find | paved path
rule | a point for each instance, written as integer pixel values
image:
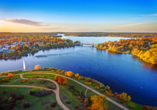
(56, 91)
(107, 98)
(86, 93)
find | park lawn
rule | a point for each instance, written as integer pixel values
(32, 82)
(66, 95)
(37, 103)
(110, 105)
(130, 105)
(77, 86)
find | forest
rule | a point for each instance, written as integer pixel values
(144, 48)
(112, 34)
(17, 45)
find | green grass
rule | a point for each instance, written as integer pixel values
(129, 105)
(36, 102)
(110, 105)
(66, 95)
(17, 80)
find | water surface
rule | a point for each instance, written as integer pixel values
(122, 72)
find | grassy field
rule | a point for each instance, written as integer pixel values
(37, 103)
(69, 95)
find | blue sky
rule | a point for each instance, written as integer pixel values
(78, 15)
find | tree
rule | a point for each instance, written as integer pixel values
(107, 87)
(97, 45)
(56, 77)
(60, 80)
(76, 75)
(37, 67)
(98, 103)
(69, 73)
(124, 97)
(10, 75)
(129, 98)
(4, 55)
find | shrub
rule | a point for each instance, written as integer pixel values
(80, 77)
(72, 87)
(107, 88)
(69, 73)
(88, 83)
(53, 104)
(13, 95)
(124, 97)
(11, 106)
(20, 97)
(42, 81)
(41, 93)
(58, 71)
(118, 96)
(37, 67)
(31, 92)
(26, 105)
(4, 92)
(102, 90)
(34, 89)
(56, 77)
(62, 71)
(88, 79)
(10, 75)
(67, 102)
(76, 75)
(51, 86)
(109, 93)
(24, 80)
(96, 87)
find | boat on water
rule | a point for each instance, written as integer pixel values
(41, 56)
(24, 66)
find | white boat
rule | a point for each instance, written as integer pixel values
(24, 66)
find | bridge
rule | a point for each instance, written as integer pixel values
(87, 44)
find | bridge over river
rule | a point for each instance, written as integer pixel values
(87, 44)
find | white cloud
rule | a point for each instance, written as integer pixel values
(133, 24)
(25, 22)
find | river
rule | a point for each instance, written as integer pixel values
(122, 72)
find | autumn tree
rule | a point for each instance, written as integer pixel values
(98, 103)
(10, 75)
(37, 67)
(124, 97)
(69, 73)
(76, 75)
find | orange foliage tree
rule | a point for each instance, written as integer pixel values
(62, 80)
(10, 75)
(98, 103)
(69, 73)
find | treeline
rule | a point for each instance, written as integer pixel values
(6, 35)
(144, 48)
(103, 34)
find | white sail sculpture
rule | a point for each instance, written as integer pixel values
(24, 66)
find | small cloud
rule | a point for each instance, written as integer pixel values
(152, 14)
(25, 21)
(133, 24)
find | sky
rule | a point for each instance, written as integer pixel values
(78, 15)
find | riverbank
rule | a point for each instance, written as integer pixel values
(96, 86)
